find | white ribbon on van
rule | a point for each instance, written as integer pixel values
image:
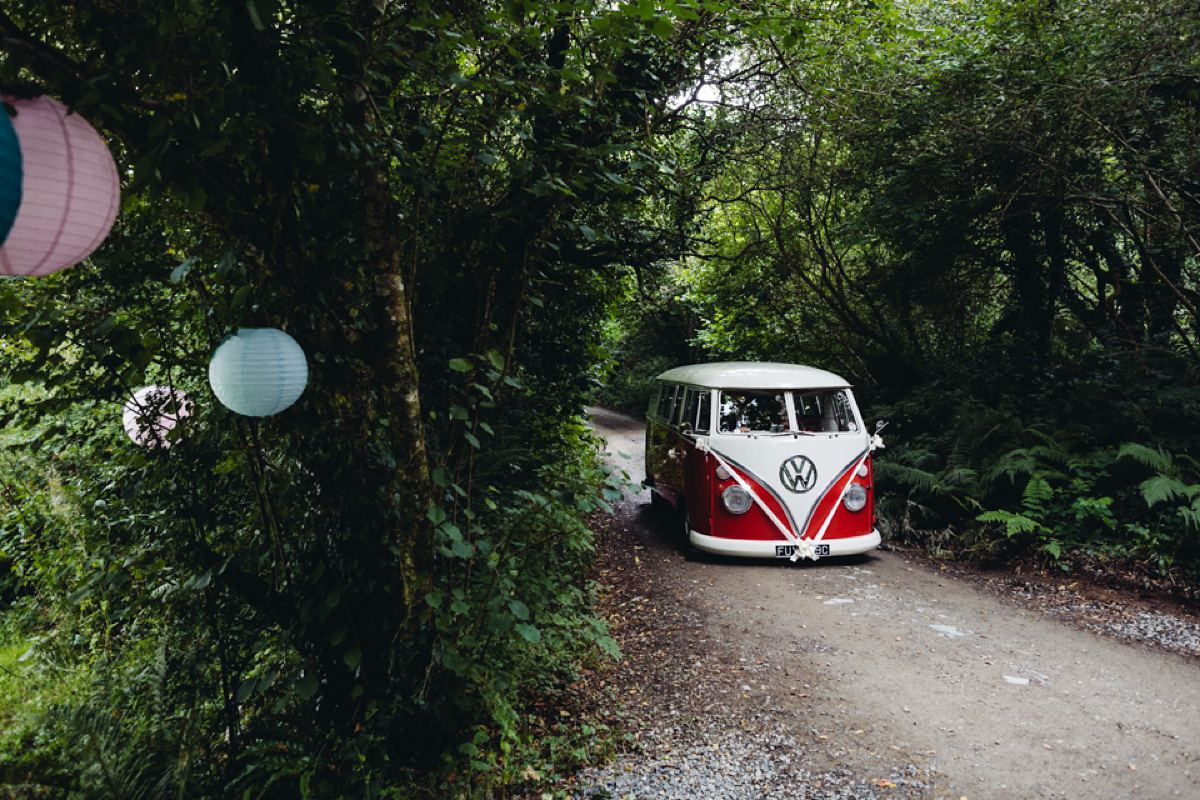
(808, 550)
(876, 444)
(841, 497)
(805, 548)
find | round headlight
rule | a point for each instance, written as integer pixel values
(737, 500)
(856, 497)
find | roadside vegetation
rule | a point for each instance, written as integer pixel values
(985, 216)
(475, 218)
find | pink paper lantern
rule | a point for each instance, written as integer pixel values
(70, 190)
(152, 412)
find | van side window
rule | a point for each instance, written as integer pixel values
(665, 394)
(842, 413)
(704, 420)
(691, 405)
(676, 409)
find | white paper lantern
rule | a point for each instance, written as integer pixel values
(258, 372)
(70, 190)
(152, 412)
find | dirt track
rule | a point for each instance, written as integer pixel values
(892, 662)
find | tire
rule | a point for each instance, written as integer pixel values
(658, 503)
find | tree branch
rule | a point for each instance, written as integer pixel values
(45, 59)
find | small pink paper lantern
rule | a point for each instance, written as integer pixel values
(70, 190)
(152, 412)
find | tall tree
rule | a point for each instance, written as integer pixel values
(949, 176)
(434, 200)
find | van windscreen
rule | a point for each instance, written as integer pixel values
(822, 411)
(827, 411)
(753, 412)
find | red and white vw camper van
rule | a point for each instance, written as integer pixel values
(762, 460)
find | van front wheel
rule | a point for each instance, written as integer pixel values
(658, 503)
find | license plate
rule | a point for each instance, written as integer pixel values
(786, 550)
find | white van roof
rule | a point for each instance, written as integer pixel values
(753, 375)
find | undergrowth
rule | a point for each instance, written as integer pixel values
(1047, 478)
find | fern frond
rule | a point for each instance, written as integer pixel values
(1053, 454)
(915, 478)
(961, 476)
(1045, 437)
(1010, 465)
(918, 457)
(1163, 488)
(1156, 459)
(1037, 490)
(1190, 516)
(1013, 523)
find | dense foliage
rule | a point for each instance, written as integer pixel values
(986, 215)
(470, 216)
(437, 202)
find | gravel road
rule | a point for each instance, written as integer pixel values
(880, 677)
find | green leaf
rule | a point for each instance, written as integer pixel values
(609, 647)
(252, 10)
(240, 296)
(245, 690)
(519, 609)
(353, 658)
(307, 686)
(460, 365)
(529, 633)
(196, 200)
(181, 271)
(440, 476)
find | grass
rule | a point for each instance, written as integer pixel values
(16, 677)
(27, 686)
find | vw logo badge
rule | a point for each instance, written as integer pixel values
(798, 474)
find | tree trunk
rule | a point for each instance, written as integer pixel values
(396, 371)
